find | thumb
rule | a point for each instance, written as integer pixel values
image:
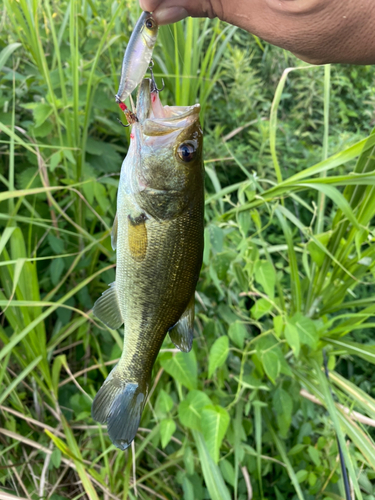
(171, 11)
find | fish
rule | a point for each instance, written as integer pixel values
(158, 238)
(138, 55)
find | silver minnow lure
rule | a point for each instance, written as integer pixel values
(137, 55)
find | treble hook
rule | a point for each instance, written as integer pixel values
(154, 87)
(122, 124)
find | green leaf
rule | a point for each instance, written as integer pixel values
(306, 330)
(41, 112)
(301, 475)
(296, 449)
(271, 364)
(164, 403)
(57, 267)
(312, 479)
(237, 333)
(215, 421)
(57, 244)
(314, 455)
(260, 308)
(189, 460)
(240, 276)
(54, 160)
(218, 354)
(316, 253)
(101, 196)
(56, 458)
(167, 429)
(102, 156)
(227, 470)
(216, 238)
(222, 262)
(256, 219)
(278, 324)
(244, 221)
(190, 409)
(292, 337)
(69, 156)
(7, 52)
(265, 275)
(283, 405)
(183, 368)
(188, 489)
(207, 247)
(43, 130)
(88, 191)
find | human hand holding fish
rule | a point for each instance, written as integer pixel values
(158, 238)
(316, 31)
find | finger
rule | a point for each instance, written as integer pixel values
(149, 5)
(165, 12)
(171, 11)
(169, 15)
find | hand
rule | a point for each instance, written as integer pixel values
(317, 31)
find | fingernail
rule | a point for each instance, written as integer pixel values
(170, 15)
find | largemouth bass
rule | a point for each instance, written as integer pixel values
(137, 55)
(158, 237)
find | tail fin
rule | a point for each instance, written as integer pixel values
(119, 404)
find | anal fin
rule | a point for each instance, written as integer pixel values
(107, 309)
(183, 331)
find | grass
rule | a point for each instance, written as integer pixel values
(288, 266)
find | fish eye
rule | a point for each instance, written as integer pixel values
(150, 24)
(186, 151)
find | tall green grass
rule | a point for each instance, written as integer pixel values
(288, 270)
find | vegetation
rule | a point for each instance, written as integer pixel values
(288, 268)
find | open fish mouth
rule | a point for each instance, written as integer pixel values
(156, 119)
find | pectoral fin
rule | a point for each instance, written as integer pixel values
(183, 331)
(114, 233)
(107, 309)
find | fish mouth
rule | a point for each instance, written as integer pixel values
(156, 119)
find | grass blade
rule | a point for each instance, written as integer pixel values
(211, 472)
(19, 379)
(284, 456)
